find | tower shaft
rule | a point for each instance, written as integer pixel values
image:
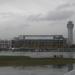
(70, 26)
(70, 36)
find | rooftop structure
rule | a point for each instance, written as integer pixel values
(40, 37)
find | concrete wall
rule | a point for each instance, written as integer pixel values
(39, 54)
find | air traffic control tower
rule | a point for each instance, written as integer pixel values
(70, 27)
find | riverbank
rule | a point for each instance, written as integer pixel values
(28, 61)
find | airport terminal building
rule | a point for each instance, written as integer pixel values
(39, 42)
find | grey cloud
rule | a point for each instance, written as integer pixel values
(7, 14)
(12, 29)
(63, 6)
(34, 17)
(9, 1)
(5, 1)
(12, 17)
(52, 16)
(12, 23)
(69, 4)
(59, 15)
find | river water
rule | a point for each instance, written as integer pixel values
(37, 70)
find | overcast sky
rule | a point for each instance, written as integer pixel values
(18, 17)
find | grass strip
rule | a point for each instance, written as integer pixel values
(27, 61)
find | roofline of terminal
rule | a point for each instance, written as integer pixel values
(41, 35)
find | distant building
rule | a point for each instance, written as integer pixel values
(4, 44)
(39, 42)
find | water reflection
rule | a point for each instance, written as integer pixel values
(37, 70)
